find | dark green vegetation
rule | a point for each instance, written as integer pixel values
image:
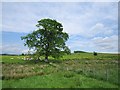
(48, 40)
(83, 70)
(80, 52)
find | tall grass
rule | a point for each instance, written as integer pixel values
(58, 80)
(99, 70)
(102, 68)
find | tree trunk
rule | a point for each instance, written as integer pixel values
(46, 54)
(46, 58)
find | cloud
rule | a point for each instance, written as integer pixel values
(11, 49)
(92, 26)
(98, 29)
(76, 42)
(106, 43)
(99, 44)
(77, 18)
(110, 39)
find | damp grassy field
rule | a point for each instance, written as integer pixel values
(78, 70)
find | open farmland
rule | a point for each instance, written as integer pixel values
(81, 70)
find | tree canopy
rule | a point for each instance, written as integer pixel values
(48, 40)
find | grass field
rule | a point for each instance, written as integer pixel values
(81, 70)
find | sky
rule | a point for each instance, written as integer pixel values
(92, 26)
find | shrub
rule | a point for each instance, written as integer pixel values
(95, 53)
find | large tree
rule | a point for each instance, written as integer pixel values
(48, 40)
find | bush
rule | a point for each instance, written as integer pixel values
(95, 53)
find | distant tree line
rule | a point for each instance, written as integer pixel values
(9, 54)
(79, 52)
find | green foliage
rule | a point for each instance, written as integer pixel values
(49, 39)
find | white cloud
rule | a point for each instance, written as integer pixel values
(14, 49)
(77, 18)
(88, 20)
(99, 44)
(11, 49)
(26, 28)
(110, 39)
(106, 43)
(99, 28)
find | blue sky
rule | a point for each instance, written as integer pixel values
(92, 26)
